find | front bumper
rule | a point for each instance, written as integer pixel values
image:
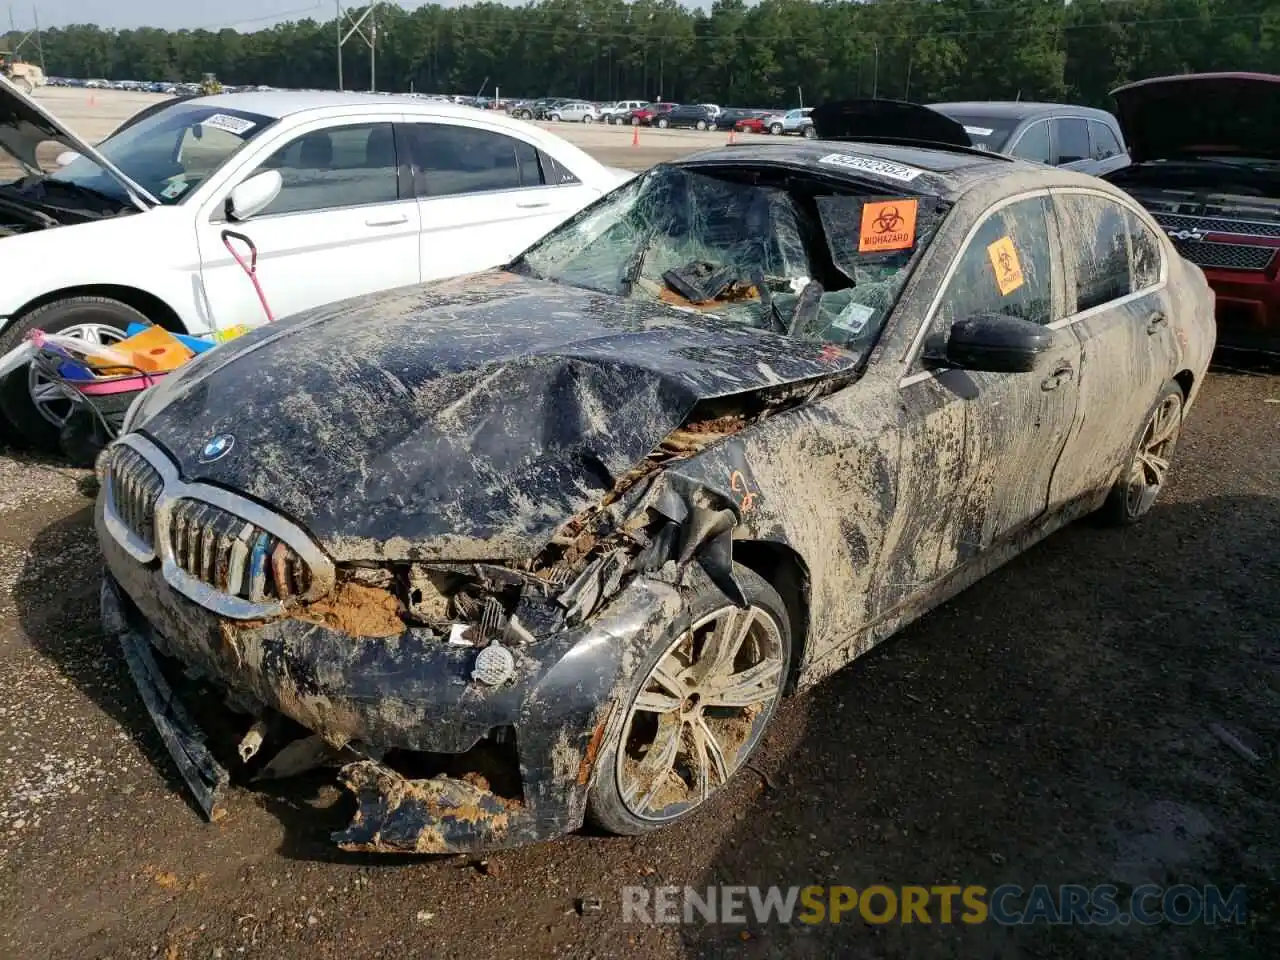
(407, 693)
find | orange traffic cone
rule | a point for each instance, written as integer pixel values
(635, 135)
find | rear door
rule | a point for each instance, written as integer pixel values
(484, 196)
(1070, 140)
(339, 227)
(978, 450)
(1120, 311)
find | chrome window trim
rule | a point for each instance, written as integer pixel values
(173, 490)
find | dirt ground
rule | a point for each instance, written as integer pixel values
(1054, 724)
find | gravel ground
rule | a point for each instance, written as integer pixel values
(1054, 724)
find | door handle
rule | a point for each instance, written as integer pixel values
(1056, 379)
(534, 206)
(395, 221)
(1156, 322)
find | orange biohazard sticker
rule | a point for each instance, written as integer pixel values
(1004, 260)
(887, 225)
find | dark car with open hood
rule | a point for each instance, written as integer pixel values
(551, 542)
(1206, 164)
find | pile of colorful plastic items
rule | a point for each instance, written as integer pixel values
(103, 381)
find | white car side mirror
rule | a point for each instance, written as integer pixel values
(67, 157)
(254, 195)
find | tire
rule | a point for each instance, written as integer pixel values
(1147, 468)
(776, 129)
(769, 631)
(810, 133)
(25, 420)
(588, 119)
(664, 123)
(635, 121)
(554, 118)
(701, 125)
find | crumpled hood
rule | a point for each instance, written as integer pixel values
(462, 420)
(1206, 114)
(24, 125)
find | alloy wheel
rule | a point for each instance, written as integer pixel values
(1150, 467)
(51, 399)
(700, 712)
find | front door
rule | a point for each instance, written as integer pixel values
(1120, 311)
(338, 229)
(978, 450)
(484, 196)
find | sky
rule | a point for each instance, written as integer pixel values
(174, 14)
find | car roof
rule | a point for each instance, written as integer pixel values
(945, 173)
(1019, 109)
(284, 103)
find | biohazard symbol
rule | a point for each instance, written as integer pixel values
(889, 219)
(745, 496)
(1004, 261)
(888, 225)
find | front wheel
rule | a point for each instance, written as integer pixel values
(1147, 470)
(554, 118)
(34, 405)
(588, 119)
(700, 709)
(810, 133)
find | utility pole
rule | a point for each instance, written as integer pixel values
(35, 13)
(371, 38)
(337, 26)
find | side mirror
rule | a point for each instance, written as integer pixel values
(67, 157)
(996, 343)
(254, 195)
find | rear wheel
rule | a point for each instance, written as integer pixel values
(775, 129)
(664, 123)
(699, 711)
(36, 407)
(701, 124)
(810, 133)
(588, 119)
(1147, 471)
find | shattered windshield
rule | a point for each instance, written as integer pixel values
(797, 258)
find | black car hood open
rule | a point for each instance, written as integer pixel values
(891, 121)
(462, 420)
(1207, 114)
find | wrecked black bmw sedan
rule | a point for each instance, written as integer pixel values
(551, 542)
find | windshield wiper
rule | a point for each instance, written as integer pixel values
(631, 272)
(81, 188)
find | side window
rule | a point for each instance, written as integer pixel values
(1071, 138)
(1104, 140)
(1096, 240)
(454, 160)
(527, 161)
(1145, 250)
(336, 167)
(1034, 143)
(1006, 268)
(555, 173)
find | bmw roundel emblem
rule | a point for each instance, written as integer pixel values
(217, 447)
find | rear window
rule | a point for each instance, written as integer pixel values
(987, 133)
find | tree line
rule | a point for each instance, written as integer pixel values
(775, 53)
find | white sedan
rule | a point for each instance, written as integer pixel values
(342, 194)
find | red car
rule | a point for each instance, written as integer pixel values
(1206, 164)
(758, 124)
(648, 115)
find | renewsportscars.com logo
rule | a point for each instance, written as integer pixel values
(1008, 905)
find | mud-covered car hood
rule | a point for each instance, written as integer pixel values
(462, 420)
(24, 125)
(1207, 114)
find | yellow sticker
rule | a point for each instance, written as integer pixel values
(230, 333)
(887, 225)
(1004, 260)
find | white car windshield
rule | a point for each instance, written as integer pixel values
(169, 153)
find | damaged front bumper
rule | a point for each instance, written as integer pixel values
(410, 693)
